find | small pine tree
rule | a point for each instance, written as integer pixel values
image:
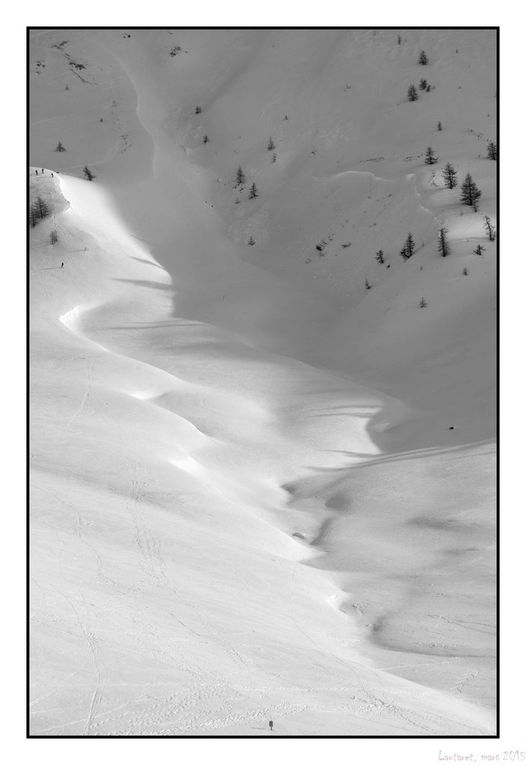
(428, 89)
(431, 158)
(60, 147)
(470, 194)
(412, 95)
(240, 177)
(53, 237)
(33, 216)
(479, 249)
(465, 272)
(443, 244)
(423, 303)
(408, 249)
(42, 208)
(38, 210)
(423, 59)
(380, 257)
(271, 145)
(449, 174)
(367, 285)
(205, 139)
(253, 192)
(274, 158)
(492, 150)
(198, 110)
(439, 126)
(422, 84)
(490, 230)
(87, 173)
(251, 241)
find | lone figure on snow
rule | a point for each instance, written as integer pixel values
(270, 725)
(62, 265)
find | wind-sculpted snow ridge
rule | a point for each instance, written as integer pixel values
(257, 491)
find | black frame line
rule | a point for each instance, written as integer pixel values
(497, 734)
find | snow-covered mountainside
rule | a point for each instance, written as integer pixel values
(262, 456)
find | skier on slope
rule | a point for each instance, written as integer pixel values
(270, 725)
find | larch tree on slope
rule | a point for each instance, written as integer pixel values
(431, 157)
(39, 210)
(423, 59)
(443, 244)
(490, 229)
(408, 249)
(412, 94)
(240, 177)
(449, 174)
(470, 194)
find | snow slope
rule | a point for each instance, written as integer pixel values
(247, 498)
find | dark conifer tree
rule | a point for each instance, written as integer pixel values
(42, 208)
(408, 249)
(367, 285)
(423, 303)
(449, 174)
(60, 147)
(443, 244)
(422, 84)
(470, 194)
(38, 210)
(439, 126)
(492, 150)
(206, 139)
(380, 257)
(240, 177)
(253, 192)
(431, 158)
(271, 145)
(198, 110)
(251, 241)
(423, 59)
(479, 249)
(490, 230)
(33, 216)
(412, 95)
